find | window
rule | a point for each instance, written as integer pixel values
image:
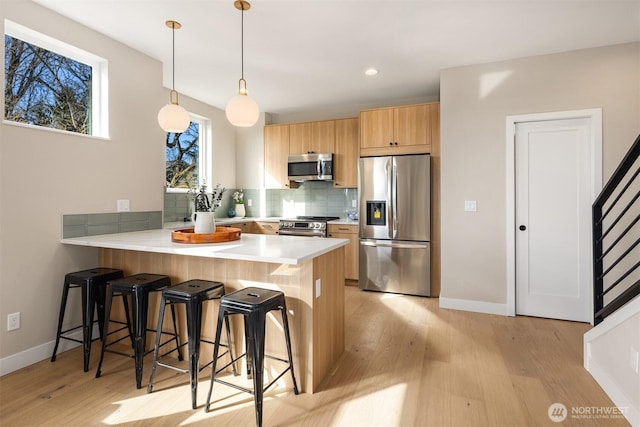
(187, 164)
(51, 84)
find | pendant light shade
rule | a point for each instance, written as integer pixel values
(172, 117)
(242, 110)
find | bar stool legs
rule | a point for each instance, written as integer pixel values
(193, 294)
(93, 287)
(253, 304)
(138, 287)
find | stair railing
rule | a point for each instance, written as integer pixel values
(616, 234)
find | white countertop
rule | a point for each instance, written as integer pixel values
(250, 247)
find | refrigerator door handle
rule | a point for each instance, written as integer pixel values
(403, 245)
(391, 210)
(394, 198)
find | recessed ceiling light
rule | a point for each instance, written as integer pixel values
(371, 72)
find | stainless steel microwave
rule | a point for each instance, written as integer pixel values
(311, 167)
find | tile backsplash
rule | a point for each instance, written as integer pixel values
(310, 198)
(79, 225)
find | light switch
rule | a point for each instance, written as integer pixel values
(470, 206)
(318, 288)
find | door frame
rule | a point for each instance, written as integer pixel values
(595, 119)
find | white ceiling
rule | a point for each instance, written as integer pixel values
(310, 55)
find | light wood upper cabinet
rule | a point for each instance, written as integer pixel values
(397, 130)
(312, 137)
(345, 173)
(412, 125)
(376, 128)
(323, 136)
(299, 138)
(276, 153)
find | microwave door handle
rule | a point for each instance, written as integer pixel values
(318, 168)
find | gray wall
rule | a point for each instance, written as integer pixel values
(475, 101)
(46, 174)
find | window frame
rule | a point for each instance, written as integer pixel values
(99, 76)
(205, 159)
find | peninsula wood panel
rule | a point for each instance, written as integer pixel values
(316, 333)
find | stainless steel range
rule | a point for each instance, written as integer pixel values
(314, 226)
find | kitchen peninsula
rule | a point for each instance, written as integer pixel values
(310, 271)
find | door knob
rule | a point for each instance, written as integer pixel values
(522, 227)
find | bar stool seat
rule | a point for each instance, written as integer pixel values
(193, 294)
(254, 304)
(93, 284)
(138, 287)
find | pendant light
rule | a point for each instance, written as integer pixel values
(172, 117)
(242, 110)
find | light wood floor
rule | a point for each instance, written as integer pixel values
(407, 363)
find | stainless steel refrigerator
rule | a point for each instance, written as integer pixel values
(395, 204)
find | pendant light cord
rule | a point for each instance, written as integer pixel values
(242, 43)
(173, 56)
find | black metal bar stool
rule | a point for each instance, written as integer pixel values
(193, 294)
(253, 304)
(138, 287)
(93, 283)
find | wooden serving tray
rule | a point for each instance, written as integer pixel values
(222, 234)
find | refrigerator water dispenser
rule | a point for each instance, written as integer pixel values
(376, 213)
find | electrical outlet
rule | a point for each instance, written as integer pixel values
(123, 206)
(354, 203)
(249, 202)
(13, 321)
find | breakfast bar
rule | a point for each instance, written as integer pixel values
(310, 272)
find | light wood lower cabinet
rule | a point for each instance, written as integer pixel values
(245, 227)
(350, 232)
(265, 227)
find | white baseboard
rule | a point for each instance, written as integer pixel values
(38, 353)
(615, 393)
(475, 306)
(603, 373)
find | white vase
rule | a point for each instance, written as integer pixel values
(205, 223)
(240, 212)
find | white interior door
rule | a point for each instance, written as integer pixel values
(553, 160)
